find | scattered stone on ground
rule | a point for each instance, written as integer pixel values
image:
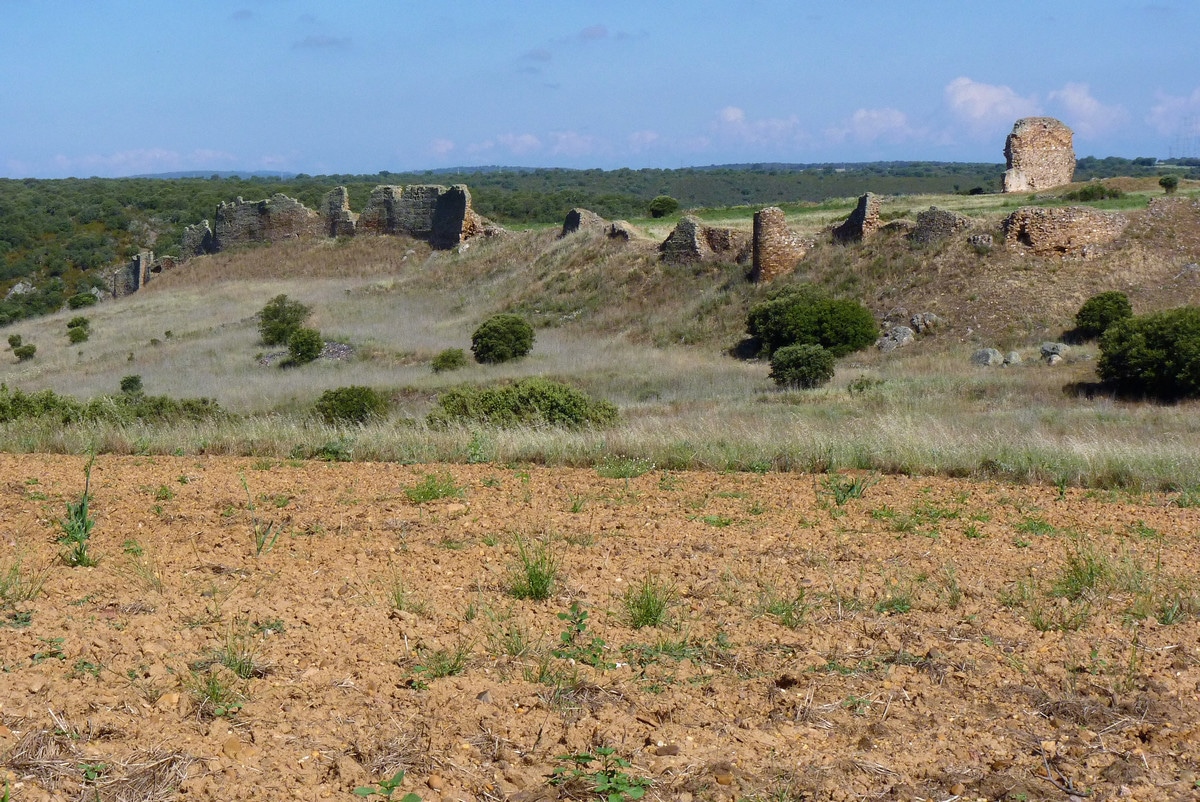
(987, 357)
(895, 337)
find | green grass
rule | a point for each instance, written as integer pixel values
(432, 488)
(534, 572)
(19, 584)
(648, 603)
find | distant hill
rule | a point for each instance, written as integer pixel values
(218, 174)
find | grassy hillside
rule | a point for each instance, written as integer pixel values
(654, 339)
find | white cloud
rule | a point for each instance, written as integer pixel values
(732, 123)
(1173, 115)
(519, 144)
(871, 125)
(572, 143)
(593, 32)
(642, 140)
(986, 106)
(147, 160)
(441, 147)
(1085, 114)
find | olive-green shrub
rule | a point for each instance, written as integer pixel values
(501, 338)
(529, 402)
(1156, 355)
(280, 318)
(449, 359)
(353, 404)
(801, 366)
(1101, 311)
(802, 314)
(304, 346)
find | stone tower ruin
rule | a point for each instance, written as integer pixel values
(1038, 154)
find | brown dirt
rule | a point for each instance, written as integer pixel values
(959, 697)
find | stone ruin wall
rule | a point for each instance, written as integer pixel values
(582, 220)
(692, 241)
(272, 220)
(863, 221)
(776, 248)
(339, 221)
(1066, 230)
(1038, 154)
(937, 224)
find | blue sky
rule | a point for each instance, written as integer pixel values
(120, 87)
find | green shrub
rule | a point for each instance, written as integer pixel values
(77, 334)
(14, 341)
(802, 366)
(449, 359)
(16, 405)
(1101, 311)
(79, 322)
(501, 338)
(662, 206)
(1169, 183)
(304, 346)
(280, 318)
(24, 353)
(1156, 355)
(530, 402)
(80, 300)
(131, 385)
(354, 404)
(802, 315)
(1093, 192)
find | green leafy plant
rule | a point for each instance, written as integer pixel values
(573, 642)
(432, 488)
(791, 611)
(81, 299)
(18, 585)
(530, 402)
(842, 488)
(1156, 355)
(217, 694)
(438, 663)
(801, 367)
(608, 780)
(280, 318)
(131, 385)
(77, 525)
(662, 206)
(24, 353)
(1169, 183)
(265, 534)
(801, 314)
(14, 341)
(534, 572)
(648, 603)
(353, 404)
(449, 359)
(501, 338)
(1101, 311)
(385, 789)
(304, 346)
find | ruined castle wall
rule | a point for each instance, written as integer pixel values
(776, 249)
(863, 221)
(1067, 230)
(272, 220)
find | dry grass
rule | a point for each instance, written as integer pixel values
(652, 338)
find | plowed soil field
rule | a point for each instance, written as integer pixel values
(266, 630)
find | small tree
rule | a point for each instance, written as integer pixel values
(354, 404)
(1169, 183)
(1156, 354)
(77, 334)
(501, 338)
(280, 318)
(304, 346)
(24, 353)
(449, 359)
(131, 385)
(14, 341)
(801, 366)
(662, 206)
(1101, 311)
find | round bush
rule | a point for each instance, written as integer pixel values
(14, 341)
(280, 318)
(802, 315)
(354, 404)
(1101, 311)
(131, 385)
(802, 366)
(1169, 183)
(24, 353)
(449, 359)
(662, 206)
(77, 334)
(81, 300)
(1156, 355)
(501, 338)
(79, 322)
(529, 402)
(304, 346)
